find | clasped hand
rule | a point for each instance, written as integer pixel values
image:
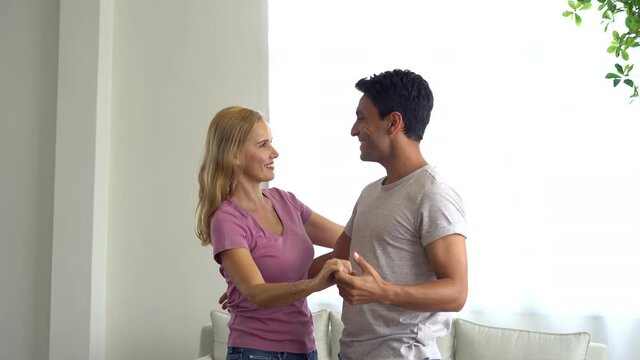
(326, 277)
(360, 289)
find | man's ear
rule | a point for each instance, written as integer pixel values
(396, 123)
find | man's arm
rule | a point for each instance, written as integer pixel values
(340, 251)
(448, 259)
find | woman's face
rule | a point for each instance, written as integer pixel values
(258, 154)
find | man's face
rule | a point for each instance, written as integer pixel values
(371, 131)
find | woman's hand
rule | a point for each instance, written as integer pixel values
(326, 276)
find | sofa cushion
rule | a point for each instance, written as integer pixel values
(220, 321)
(335, 322)
(445, 345)
(479, 342)
(321, 333)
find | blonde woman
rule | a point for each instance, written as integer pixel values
(263, 240)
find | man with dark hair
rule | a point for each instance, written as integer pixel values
(406, 232)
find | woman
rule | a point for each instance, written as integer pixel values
(262, 238)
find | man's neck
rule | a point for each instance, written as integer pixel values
(400, 166)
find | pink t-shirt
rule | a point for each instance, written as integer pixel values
(280, 258)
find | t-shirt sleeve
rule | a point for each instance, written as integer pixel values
(228, 231)
(348, 228)
(304, 210)
(443, 214)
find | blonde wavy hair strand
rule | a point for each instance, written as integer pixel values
(227, 133)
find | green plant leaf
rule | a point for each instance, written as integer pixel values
(622, 39)
(628, 41)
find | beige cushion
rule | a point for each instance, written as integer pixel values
(220, 321)
(479, 342)
(336, 332)
(321, 333)
(445, 345)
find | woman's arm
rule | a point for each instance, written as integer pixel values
(246, 276)
(322, 231)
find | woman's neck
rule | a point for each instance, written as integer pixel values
(249, 196)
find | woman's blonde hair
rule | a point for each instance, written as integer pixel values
(228, 131)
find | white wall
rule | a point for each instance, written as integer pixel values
(28, 80)
(136, 86)
(175, 65)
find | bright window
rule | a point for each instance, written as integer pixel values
(541, 148)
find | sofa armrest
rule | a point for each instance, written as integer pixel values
(214, 337)
(597, 351)
(206, 341)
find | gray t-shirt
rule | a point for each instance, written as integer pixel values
(390, 226)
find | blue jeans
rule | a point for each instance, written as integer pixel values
(424, 359)
(242, 353)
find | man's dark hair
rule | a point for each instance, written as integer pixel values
(405, 92)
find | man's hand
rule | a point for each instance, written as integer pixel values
(361, 289)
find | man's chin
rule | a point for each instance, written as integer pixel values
(365, 157)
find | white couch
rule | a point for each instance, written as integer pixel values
(465, 341)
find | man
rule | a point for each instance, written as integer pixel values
(406, 232)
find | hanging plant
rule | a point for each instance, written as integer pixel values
(623, 39)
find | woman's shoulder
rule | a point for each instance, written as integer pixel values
(228, 209)
(282, 197)
(275, 192)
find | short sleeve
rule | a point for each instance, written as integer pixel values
(443, 214)
(229, 230)
(289, 197)
(348, 228)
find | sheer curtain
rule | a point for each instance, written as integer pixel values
(540, 146)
